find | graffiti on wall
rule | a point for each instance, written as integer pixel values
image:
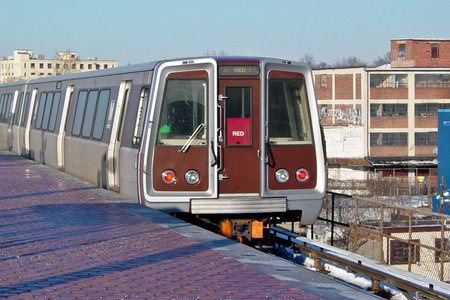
(341, 115)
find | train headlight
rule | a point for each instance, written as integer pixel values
(282, 175)
(302, 175)
(168, 177)
(192, 177)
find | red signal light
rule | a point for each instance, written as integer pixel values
(302, 175)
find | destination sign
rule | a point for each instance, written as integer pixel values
(238, 70)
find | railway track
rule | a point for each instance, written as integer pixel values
(412, 286)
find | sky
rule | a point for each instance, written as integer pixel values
(137, 31)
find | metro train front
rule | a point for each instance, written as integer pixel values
(235, 138)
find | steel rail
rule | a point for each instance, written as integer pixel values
(408, 283)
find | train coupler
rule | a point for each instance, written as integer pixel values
(242, 228)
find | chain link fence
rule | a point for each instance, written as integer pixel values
(413, 239)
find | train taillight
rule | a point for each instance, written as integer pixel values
(168, 177)
(302, 175)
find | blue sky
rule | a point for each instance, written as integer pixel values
(135, 31)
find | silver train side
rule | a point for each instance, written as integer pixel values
(105, 127)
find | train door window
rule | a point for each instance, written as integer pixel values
(89, 113)
(100, 116)
(289, 120)
(54, 111)
(238, 116)
(8, 108)
(183, 112)
(2, 104)
(79, 112)
(40, 110)
(26, 107)
(18, 109)
(47, 110)
(142, 111)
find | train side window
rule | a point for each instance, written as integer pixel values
(8, 108)
(89, 114)
(47, 110)
(40, 110)
(2, 104)
(100, 116)
(79, 113)
(142, 110)
(54, 111)
(26, 107)
(18, 109)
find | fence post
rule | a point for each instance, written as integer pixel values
(332, 219)
(409, 241)
(382, 233)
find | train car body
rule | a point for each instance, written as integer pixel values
(228, 136)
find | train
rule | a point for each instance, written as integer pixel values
(233, 138)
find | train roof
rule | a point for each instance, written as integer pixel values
(150, 66)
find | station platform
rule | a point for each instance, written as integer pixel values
(61, 238)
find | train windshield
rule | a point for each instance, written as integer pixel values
(183, 113)
(289, 119)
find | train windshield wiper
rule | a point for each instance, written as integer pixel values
(188, 143)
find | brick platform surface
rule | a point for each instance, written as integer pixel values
(60, 240)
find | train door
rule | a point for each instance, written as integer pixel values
(27, 124)
(116, 134)
(239, 126)
(12, 110)
(62, 127)
(179, 156)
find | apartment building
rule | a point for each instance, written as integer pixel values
(395, 105)
(23, 65)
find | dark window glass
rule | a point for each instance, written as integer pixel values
(79, 113)
(26, 107)
(54, 113)
(18, 109)
(100, 116)
(40, 110)
(183, 112)
(47, 110)
(88, 119)
(289, 121)
(142, 110)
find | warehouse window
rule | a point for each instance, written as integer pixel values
(399, 252)
(388, 110)
(425, 138)
(389, 139)
(389, 81)
(434, 50)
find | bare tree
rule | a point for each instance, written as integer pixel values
(382, 60)
(350, 61)
(308, 59)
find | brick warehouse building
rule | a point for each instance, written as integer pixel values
(382, 122)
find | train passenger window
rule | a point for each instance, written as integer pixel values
(54, 111)
(89, 113)
(100, 116)
(47, 109)
(18, 109)
(26, 107)
(8, 108)
(79, 113)
(40, 111)
(289, 120)
(183, 112)
(142, 111)
(2, 105)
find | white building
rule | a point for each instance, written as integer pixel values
(23, 65)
